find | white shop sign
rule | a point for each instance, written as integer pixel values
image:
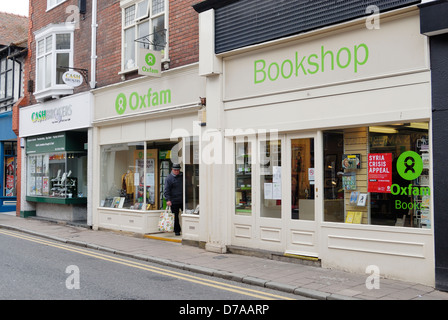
(149, 63)
(396, 48)
(72, 78)
(176, 88)
(69, 113)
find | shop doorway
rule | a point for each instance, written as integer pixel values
(300, 221)
(275, 185)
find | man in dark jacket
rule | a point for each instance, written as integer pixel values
(174, 190)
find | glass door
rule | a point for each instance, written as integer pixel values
(300, 223)
(270, 179)
(302, 179)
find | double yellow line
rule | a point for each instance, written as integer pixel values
(182, 276)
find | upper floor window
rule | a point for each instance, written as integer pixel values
(144, 21)
(6, 78)
(53, 3)
(54, 54)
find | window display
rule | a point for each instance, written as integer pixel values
(57, 168)
(191, 174)
(132, 180)
(10, 167)
(378, 175)
(271, 179)
(57, 175)
(243, 178)
(122, 174)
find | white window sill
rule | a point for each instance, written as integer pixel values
(127, 71)
(53, 93)
(122, 72)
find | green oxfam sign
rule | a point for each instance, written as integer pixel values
(409, 165)
(150, 59)
(149, 62)
(136, 101)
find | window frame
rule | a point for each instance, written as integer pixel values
(137, 21)
(57, 3)
(8, 73)
(43, 91)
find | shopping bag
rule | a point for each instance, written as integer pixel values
(166, 221)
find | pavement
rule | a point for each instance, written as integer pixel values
(300, 279)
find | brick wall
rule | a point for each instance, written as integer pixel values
(40, 18)
(183, 33)
(183, 37)
(108, 42)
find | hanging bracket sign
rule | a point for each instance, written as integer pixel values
(72, 78)
(149, 62)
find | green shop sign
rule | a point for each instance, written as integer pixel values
(409, 167)
(136, 101)
(57, 142)
(149, 62)
(320, 61)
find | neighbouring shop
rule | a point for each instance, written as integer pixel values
(8, 169)
(56, 138)
(144, 126)
(8, 163)
(331, 140)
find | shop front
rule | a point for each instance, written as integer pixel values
(8, 163)
(144, 126)
(332, 147)
(56, 137)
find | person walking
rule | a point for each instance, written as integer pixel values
(174, 190)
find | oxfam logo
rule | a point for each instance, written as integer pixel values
(150, 59)
(409, 165)
(120, 104)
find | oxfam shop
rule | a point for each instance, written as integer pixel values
(346, 179)
(143, 126)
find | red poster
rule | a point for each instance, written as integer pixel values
(380, 172)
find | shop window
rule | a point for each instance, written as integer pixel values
(131, 179)
(270, 179)
(191, 174)
(54, 55)
(378, 175)
(10, 169)
(243, 178)
(143, 27)
(55, 175)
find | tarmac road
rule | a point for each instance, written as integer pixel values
(32, 268)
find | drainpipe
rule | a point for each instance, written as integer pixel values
(93, 57)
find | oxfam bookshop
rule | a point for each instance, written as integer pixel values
(143, 126)
(346, 178)
(56, 135)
